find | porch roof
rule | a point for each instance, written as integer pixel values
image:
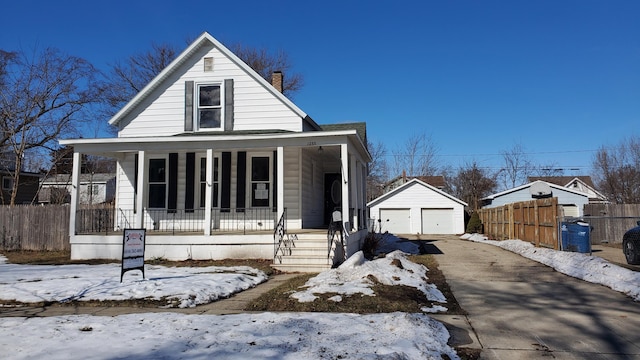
(220, 141)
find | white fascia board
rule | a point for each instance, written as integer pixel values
(124, 144)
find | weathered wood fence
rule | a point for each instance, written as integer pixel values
(609, 222)
(535, 221)
(34, 227)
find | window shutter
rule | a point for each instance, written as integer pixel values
(225, 201)
(172, 201)
(241, 189)
(228, 105)
(275, 181)
(135, 183)
(188, 106)
(190, 177)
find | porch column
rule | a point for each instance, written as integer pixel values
(208, 193)
(75, 191)
(344, 159)
(355, 201)
(280, 183)
(142, 192)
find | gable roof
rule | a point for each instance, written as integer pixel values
(203, 40)
(434, 180)
(408, 184)
(563, 180)
(518, 188)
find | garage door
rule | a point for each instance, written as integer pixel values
(395, 221)
(437, 221)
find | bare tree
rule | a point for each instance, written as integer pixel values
(417, 156)
(41, 99)
(378, 172)
(265, 63)
(617, 171)
(126, 78)
(517, 167)
(471, 183)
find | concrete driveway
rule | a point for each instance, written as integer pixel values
(521, 309)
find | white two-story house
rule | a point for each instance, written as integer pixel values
(215, 162)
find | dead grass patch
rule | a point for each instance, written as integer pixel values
(387, 298)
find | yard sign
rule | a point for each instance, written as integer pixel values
(132, 251)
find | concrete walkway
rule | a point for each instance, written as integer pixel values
(520, 309)
(233, 305)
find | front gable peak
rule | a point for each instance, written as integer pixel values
(196, 65)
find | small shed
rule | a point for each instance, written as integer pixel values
(417, 208)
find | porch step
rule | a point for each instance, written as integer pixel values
(308, 255)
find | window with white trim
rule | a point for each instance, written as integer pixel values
(209, 109)
(215, 193)
(157, 183)
(260, 173)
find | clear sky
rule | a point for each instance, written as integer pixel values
(562, 78)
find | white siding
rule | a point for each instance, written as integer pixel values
(292, 187)
(312, 189)
(255, 108)
(417, 197)
(125, 181)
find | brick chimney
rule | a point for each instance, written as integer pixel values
(277, 80)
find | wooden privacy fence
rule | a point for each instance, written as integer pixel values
(535, 221)
(609, 222)
(34, 227)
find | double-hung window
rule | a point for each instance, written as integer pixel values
(157, 183)
(209, 109)
(260, 181)
(203, 182)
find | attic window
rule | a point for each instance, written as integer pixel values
(210, 106)
(208, 64)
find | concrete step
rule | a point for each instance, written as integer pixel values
(308, 254)
(304, 259)
(301, 268)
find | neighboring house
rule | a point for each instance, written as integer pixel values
(418, 208)
(94, 189)
(436, 181)
(572, 201)
(581, 183)
(219, 158)
(27, 187)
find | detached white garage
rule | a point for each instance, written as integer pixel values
(418, 208)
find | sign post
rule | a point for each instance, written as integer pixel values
(132, 251)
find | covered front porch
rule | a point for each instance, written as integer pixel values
(221, 196)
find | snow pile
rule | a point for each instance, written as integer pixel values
(179, 286)
(355, 275)
(245, 336)
(586, 267)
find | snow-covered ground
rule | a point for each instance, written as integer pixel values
(244, 336)
(265, 335)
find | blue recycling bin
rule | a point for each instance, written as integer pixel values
(576, 236)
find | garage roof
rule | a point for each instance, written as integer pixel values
(391, 193)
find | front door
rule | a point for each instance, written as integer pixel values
(332, 195)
